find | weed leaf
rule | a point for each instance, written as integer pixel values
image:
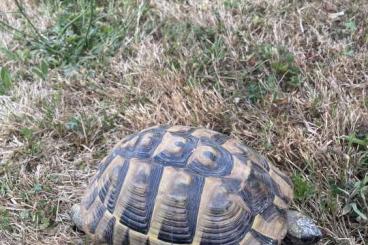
(5, 80)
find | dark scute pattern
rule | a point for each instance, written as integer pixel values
(220, 138)
(104, 190)
(264, 163)
(273, 187)
(138, 211)
(126, 240)
(232, 185)
(278, 192)
(185, 132)
(226, 234)
(147, 141)
(243, 155)
(97, 214)
(259, 190)
(223, 162)
(228, 222)
(108, 233)
(175, 235)
(129, 137)
(145, 145)
(263, 239)
(284, 177)
(243, 158)
(167, 158)
(260, 173)
(121, 172)
(103, 165)
(259, 199)
(271, 211)
(90, 198)
(180, 221)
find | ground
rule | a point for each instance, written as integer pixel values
(288, 78)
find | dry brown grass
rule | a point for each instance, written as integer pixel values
(54, 132)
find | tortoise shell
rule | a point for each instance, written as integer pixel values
(184, 185)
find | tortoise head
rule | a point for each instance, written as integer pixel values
(301, 229)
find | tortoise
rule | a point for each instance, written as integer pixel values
(187, 185)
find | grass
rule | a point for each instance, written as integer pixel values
(287, 78)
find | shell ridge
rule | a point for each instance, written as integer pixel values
(264, 240)
(224, 220)
(121, 174)
(219, 165)
(108, 233)
(104, 164)
(141, 221)
(166, 159)
(139, 149)
(173, 234)
(104, 190)
(97, 215)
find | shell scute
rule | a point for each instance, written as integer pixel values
(258, 191)
(175, 215)
(209, 135)
(224, 218)
(175, 149)
(140, 192)
(141, 145)
(209, 159)
(118, 175)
